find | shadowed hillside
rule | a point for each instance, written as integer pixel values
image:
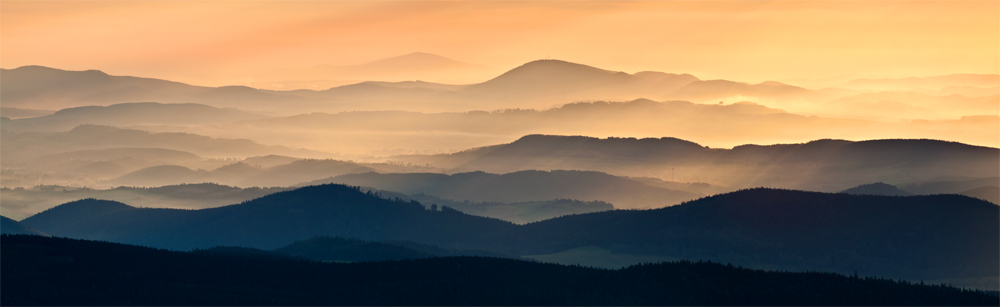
(9, 226)
(987, 193)
(332, 210)
(939, 237)
(522, 186)
(22, 203)
(47, 269)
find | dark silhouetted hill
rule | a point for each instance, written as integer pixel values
(57, 271)
(269, 222)
(987, 193)
(519, 212)
(22, 203)
(523, 186)
(937, 237)
(9, 226)
(872, 234)
(877, 188)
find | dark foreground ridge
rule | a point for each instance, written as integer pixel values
(59, 271)
(934, 237)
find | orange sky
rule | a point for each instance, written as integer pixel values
(226, 42)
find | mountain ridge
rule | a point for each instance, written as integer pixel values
(913, 237)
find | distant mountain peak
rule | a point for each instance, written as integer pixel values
(558, 64)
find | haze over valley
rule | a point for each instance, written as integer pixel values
(342, 138)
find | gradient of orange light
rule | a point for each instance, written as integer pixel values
(215, 43)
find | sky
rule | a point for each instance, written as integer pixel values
(228, 42)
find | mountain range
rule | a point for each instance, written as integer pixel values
(916, 238)
(46, 270)
(130, 114)
(540, 84)
(522, 186)
(372, 133)
(824, 165)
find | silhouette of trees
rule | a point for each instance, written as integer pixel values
(58, 271)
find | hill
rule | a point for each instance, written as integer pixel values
(162, 175)
(43, 87)
(9, 226)
(50, 88)
(523, 186)
(544, 78)
(331, 210)
(108, 163)
(24, 202)
(130, 114)
(48, 271)
(952, 238)
(824, 165)
(987, 193)
(877, 188)
(519, 213)
(241, 174)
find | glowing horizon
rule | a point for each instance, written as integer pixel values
(221, 43)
